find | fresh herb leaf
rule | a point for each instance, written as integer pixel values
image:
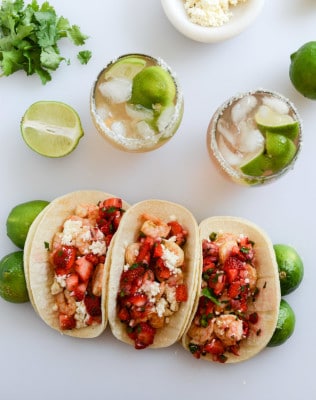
(29, 36)
(207, 292)
(84, 56)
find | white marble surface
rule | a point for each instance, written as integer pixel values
(37, 361)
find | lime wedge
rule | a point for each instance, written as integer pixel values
(127, 67)
(153, 86)
(51, 128)
(257, 166)
(281, 150)
(267, 119)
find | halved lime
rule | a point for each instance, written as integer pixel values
(290, 266)
(269, 120)
(20, 219)
(285, 325)
(127, 67)
(51, 128)
(257, 166)
(152, 86)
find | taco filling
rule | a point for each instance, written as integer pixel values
(228, 287)
(152, 284)
(77, 254)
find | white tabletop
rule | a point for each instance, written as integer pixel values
(38, 361)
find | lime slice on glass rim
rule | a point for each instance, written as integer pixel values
(51, 128)
(269, 120)
(126, 67)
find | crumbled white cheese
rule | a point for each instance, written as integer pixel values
(151, 289)
(161, 306)
(98, 247)
(81, 314)
(210, 12)
(170, 292)
(71, 230)
(170, 258)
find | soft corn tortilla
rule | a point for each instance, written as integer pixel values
(39, 272)
(128, 233)
(268, 301)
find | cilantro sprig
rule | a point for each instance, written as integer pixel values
(29, 37)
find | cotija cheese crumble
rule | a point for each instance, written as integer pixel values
(210, 12)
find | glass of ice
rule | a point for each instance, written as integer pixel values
(136, 103)
(255, 137)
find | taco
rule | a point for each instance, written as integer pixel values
(154, 271)
(66, 261)
(236, 311)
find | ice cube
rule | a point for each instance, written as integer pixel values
(242, 108)
(277, 105)
(118, 128)
(232, 158)
(165, 117)
(103, 112)
(117, 90)
(144, 130)
(226, 130)
(250, 140)
(138, 112)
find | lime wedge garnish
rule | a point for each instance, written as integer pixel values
(127, 67)
(281, 150)
(153, 86)
(51, 128)
(259, 165)
(268, 119)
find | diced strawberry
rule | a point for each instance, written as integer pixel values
(181, 293)
(158, 250)
(72, 281)
(84, 268)
(93, 258)
(144, 254)
(80, 291)
(214, 347)
(232, 274)
(138, 300)
(66, 322)
(93, 305)
(161, 271)
(234, 290)
(64, 259)
(113, 202)
(178, 231)
(233, 263)
(144, 335)
(123, 314)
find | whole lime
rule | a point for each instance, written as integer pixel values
(285, 325)
(12, 279)
(20, 219)
(291, 267)
(303, 70)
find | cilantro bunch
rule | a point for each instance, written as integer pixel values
(29, 38)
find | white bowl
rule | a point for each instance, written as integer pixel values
(243, 15)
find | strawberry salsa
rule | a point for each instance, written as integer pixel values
(229, 284)
(152, 283)
(77, 255)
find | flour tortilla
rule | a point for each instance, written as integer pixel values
(39, 272)
(268, 301)
(128, 233)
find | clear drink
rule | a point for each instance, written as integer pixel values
(136, 103)
(255, 137)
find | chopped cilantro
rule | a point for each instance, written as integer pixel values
(29, 36)
(207, 292)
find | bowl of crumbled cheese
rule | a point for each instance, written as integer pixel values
(211, 21)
